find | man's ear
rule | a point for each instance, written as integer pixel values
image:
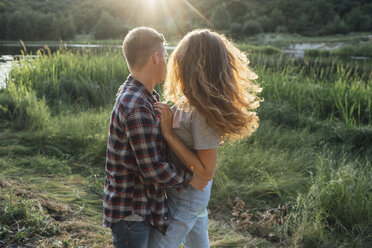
(155, 57)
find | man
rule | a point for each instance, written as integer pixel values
(136, 173)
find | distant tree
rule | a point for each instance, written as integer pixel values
(236, 30)
(108, 27)
(265, 23)
(17, 26)
(251, 28)
(86, 20)
(275, 19)
(292, 14)
(54, 19)
(337, 26)
(3, 27)
(356, 20)
(220, 17)
(237, 9)
(66, 27)
(46, 27)
(281, 29)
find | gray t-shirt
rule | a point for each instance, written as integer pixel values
(192, 128)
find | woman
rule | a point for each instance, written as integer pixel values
(210, 82)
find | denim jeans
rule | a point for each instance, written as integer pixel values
(129, 234)
(189, 220)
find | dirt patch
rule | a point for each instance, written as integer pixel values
(262, 222)
(76, 230)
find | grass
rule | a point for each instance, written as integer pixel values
(311, 152)
(284, 40)
(23, 220)
(337, 207)
(363, 49)
(259, 49)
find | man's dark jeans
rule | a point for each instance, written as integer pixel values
(130, 234)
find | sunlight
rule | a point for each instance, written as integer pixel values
(170, 9)
(199, 14)
(175, 16)
(149, 3)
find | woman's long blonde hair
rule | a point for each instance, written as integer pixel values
(208, 72)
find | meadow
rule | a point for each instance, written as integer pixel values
(303, 179)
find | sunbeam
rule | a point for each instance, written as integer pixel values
(198, 13)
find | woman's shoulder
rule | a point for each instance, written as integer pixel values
(182, 114)
(204, 136)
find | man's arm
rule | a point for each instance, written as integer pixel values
(142, 132)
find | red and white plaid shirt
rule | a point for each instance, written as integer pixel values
(136, 170)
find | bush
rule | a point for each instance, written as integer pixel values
(281, 29)
(251, 28)
(236, 29)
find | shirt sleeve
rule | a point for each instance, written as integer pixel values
(204, 136)
(143, 133)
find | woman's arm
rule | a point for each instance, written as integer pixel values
(203, 163)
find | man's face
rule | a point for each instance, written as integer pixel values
(162, 65)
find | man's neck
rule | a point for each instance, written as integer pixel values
(145, 79)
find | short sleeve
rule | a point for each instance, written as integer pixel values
(204, 136)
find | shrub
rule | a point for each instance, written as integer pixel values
(251, 28)
(236, 30)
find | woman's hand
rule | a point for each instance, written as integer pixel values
(198, 183)
(166, 119)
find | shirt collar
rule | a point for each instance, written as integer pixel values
(154, 96)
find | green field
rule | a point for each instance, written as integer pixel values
(304, 179)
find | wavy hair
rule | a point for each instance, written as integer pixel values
(208, 72)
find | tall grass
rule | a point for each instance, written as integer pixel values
(65, 78)
(337, 209)
(312, 148)
(333, 93)
(357, 50)
(49, 83)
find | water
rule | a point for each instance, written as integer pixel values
(6, 63)
(298, 50)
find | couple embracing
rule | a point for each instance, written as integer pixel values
(161, 161)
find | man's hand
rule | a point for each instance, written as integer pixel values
(198, 183)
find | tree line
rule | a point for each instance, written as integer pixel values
(57, 19)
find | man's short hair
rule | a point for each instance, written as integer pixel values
(139, 44)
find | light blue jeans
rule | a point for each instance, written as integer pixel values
(189, 220)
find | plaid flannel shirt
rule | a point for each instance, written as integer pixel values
(136, 171)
